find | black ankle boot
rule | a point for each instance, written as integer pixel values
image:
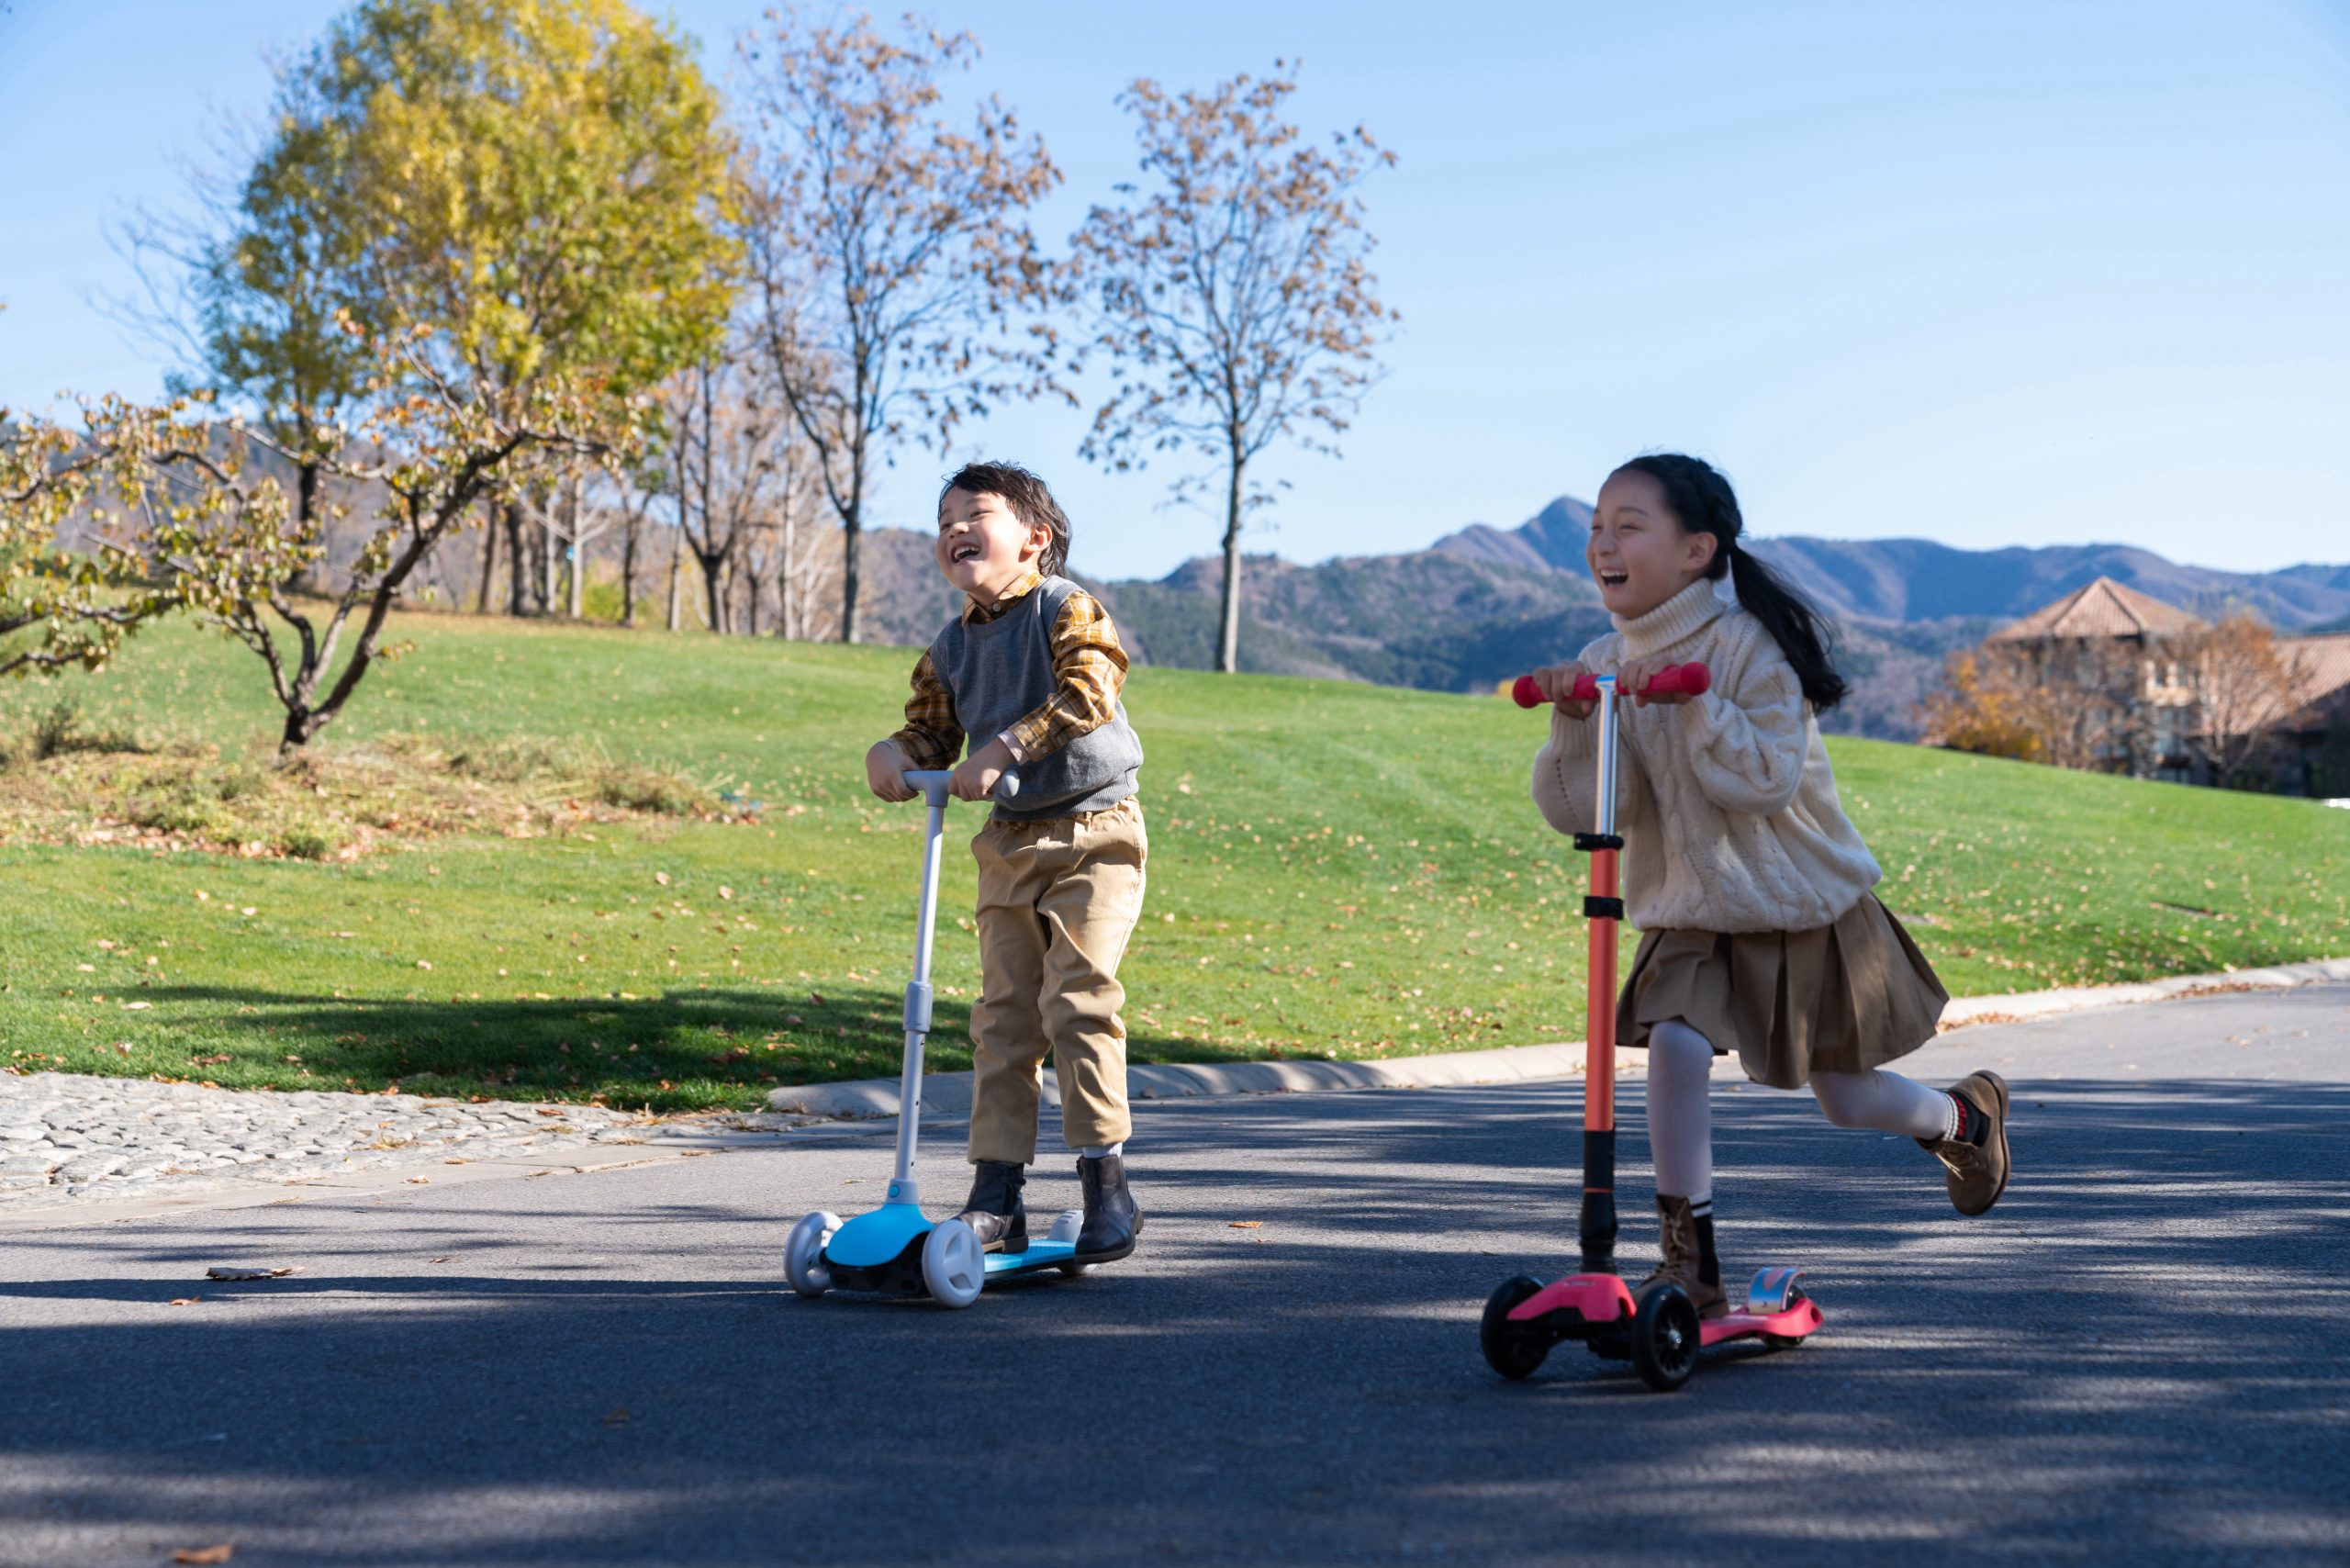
(1111, 1221)
(994, 1209)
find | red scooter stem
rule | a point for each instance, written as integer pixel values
(1670, 681)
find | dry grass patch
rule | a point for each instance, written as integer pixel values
(64, 784)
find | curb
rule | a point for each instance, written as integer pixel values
(948, 1094)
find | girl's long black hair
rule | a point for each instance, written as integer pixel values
(1703, 502)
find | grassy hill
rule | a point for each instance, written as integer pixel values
(1337, 868)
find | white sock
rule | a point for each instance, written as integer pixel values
(1680, 1110)
(1103, 1151)
(1886, 1103)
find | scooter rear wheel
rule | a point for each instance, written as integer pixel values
(1665, 1338)
(1787, 1341)
(1513, 1349)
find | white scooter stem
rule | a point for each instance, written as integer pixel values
(904, 1189)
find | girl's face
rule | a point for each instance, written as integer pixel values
(1638, 554)
(983, 547)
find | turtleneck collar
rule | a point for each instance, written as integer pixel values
(1678, 618)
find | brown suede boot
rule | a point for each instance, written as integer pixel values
(1978, 1171)
(1677, 1234)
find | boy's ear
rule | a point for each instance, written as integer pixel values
(1040, 538)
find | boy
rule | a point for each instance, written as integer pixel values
(1030, 672)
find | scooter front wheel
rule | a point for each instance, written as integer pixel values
(954, 1265)
(1665, 1338)
(803, 1254)
(1513, 1349)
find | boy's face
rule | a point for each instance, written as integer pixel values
(983, 547)
(1638, 554)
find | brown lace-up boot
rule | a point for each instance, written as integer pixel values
(1687, 1260)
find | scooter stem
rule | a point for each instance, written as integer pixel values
(904, 1189)
(1596, 1227)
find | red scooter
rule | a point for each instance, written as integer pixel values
(1659, 1332)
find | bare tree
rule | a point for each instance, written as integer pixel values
(1232, 294)
(2243, 684)
(729, 451)
(890, 250)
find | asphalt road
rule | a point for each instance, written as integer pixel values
(2139, 1357)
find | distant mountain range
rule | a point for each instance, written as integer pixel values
(1482, 604)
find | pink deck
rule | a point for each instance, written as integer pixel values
(1599, 1298)
(1603, 1298)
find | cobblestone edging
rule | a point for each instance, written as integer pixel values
(63, 1135)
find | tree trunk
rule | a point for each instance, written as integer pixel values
(548, 561)
(1227, 640)
(676, 578)
(713, 585)
(635, 527)
(516, 559)
(488, 560)
(852, 541)
(750, 591)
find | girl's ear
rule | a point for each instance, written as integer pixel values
(1702, 547)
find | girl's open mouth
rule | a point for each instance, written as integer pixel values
(1614, 579)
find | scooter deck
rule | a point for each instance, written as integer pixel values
(1596, 1308)
(1041, 1257)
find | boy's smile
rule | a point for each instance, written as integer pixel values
(983, 547)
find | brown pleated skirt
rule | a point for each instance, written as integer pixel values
(1840, 998)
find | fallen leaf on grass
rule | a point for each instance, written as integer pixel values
(246, 1273)
(220, 1553)
(1248, 1224)
(186, 1300)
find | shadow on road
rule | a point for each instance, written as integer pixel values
(2139, 1357)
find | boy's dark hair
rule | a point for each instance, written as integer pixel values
(1703, 502)
(1029, 499)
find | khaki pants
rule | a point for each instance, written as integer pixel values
(1058, 901)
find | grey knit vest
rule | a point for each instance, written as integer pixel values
(999, 671)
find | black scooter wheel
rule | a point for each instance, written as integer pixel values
(1665, 1338)
(1513, 1349)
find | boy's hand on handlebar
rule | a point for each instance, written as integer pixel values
(1555, 681)
(976, 780)
(1635, 676)
(885, 770)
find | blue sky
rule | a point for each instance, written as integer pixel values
(1990, 274)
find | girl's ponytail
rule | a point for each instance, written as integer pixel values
(1703, 502)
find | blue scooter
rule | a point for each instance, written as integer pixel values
(896, 1249)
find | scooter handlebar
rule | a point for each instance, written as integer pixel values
(1670, 681)
(933, 781)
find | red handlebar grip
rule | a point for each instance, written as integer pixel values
(1670, 681)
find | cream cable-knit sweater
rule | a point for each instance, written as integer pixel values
(1725, 803)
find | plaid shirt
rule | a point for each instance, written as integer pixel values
(1089, 666)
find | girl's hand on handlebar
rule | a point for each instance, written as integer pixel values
(885, 769)
(976, 780)
(1635, 676)
(1555, 681)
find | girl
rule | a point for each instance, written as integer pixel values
(1751, 889)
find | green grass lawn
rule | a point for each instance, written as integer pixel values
(1336, 869)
